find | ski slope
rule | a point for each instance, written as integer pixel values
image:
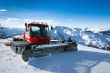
(85, 60)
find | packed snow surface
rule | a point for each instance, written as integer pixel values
(85, 60)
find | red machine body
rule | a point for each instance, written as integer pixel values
(36, 32)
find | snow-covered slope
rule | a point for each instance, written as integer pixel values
(8, 32)
(91, 37)
(65, 33)
(85, 60)
(98, 39)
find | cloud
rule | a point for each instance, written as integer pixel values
(12, 22)
(3, 10)
(12, 19)
(19, 23)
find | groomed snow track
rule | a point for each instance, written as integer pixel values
(85, 60)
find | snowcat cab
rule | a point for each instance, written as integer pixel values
(36, 32)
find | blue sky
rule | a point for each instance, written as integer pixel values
(71, 13)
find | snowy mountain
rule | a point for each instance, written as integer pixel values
(95, 37)
(9, 32)
(106, 32)
(98, 39)
(65, 32)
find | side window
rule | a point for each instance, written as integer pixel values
(28, 31)
(46, 31)
(35, 31)
(43, 30)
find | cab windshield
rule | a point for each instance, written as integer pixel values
(39, 31)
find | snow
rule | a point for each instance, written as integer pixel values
(8, 32)
(85, 60)
(95, 30)
(93, 37)
(65, 33)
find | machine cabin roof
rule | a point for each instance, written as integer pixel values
(36, 24)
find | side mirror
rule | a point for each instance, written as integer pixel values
(26, 26)
(51, 27)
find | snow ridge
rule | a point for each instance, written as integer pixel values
(9, 32)
(90, 37)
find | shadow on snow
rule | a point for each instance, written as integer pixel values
(70, 62)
